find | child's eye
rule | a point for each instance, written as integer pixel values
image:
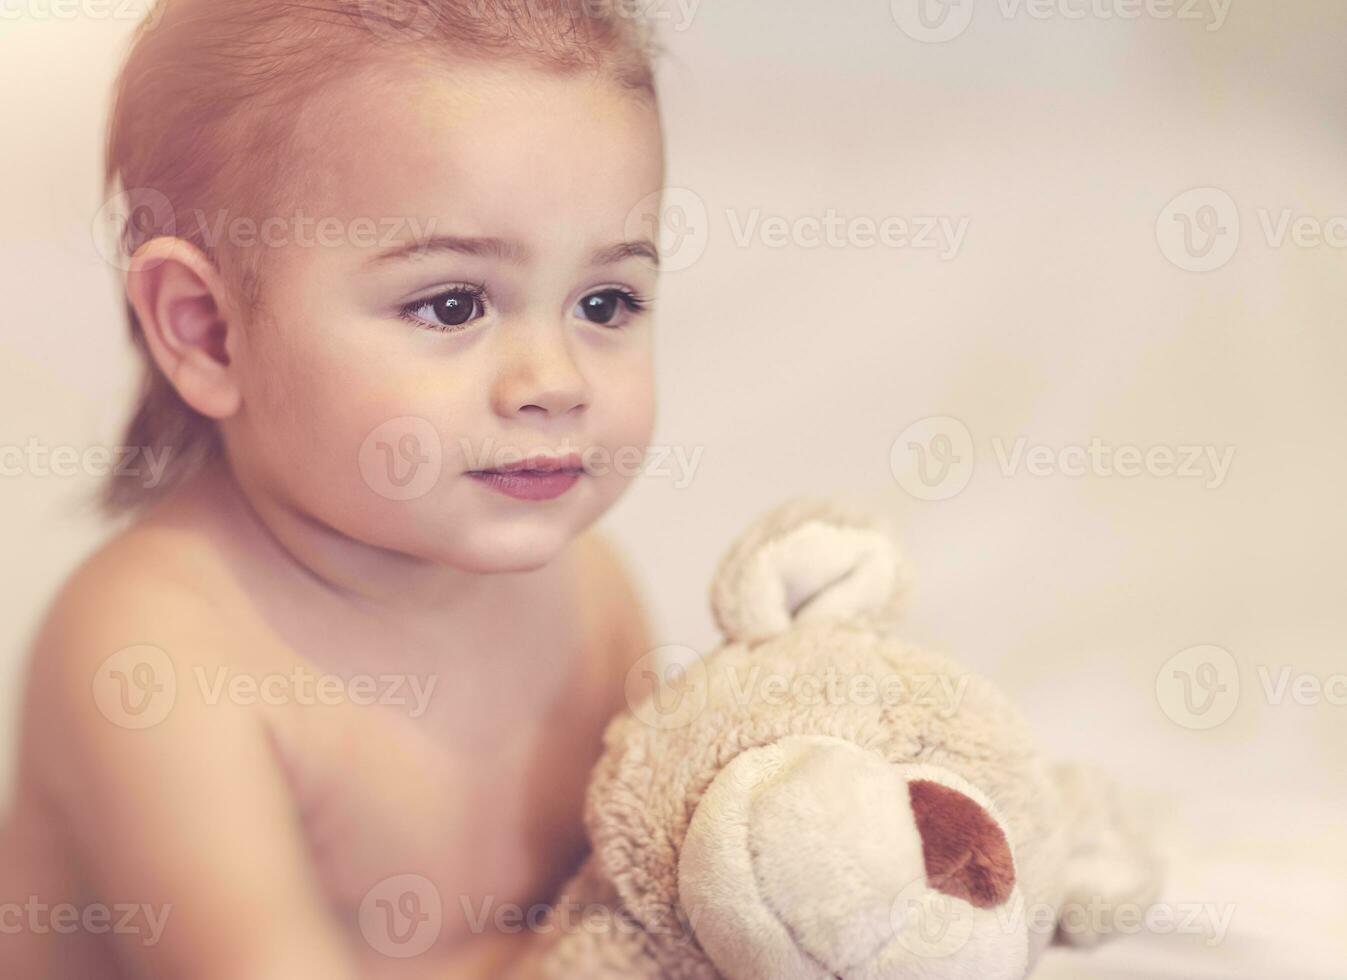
(449, 310)
(605, 306)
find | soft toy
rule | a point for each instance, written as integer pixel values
(817, 799)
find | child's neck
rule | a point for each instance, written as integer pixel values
(366, 578)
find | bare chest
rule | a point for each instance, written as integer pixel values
(439, 792)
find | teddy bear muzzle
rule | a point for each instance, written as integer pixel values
(813, 858)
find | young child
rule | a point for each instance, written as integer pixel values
(327, 707)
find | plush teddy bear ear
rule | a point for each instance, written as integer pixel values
(807, 561)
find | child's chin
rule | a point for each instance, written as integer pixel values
(515, 550)
(491, 548)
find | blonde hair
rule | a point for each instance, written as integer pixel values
(201, 121)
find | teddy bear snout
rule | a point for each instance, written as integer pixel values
(815, 857)
(833, 842)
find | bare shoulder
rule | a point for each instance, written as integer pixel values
(617, 607)
(133, 616)
(145, 580)
(131, 762)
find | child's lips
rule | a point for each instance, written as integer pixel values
(541, 464)
(529, 484)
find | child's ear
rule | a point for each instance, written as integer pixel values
(178, 295)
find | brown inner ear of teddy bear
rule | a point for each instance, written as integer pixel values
(966, 854)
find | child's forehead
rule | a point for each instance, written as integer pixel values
(417, 138)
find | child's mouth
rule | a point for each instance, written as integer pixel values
(534, 480)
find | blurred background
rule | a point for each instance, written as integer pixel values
(1057, 284)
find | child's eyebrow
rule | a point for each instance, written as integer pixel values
(506, 251)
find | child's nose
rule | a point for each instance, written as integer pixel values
(540, 375)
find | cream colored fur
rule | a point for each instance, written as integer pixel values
(755, 823)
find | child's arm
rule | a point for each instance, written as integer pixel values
(190, 816)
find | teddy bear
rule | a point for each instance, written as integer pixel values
(819, 799)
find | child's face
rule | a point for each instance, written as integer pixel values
(376, 383)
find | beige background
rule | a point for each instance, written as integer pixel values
(793, 369)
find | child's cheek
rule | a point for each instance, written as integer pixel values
(626, 405)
